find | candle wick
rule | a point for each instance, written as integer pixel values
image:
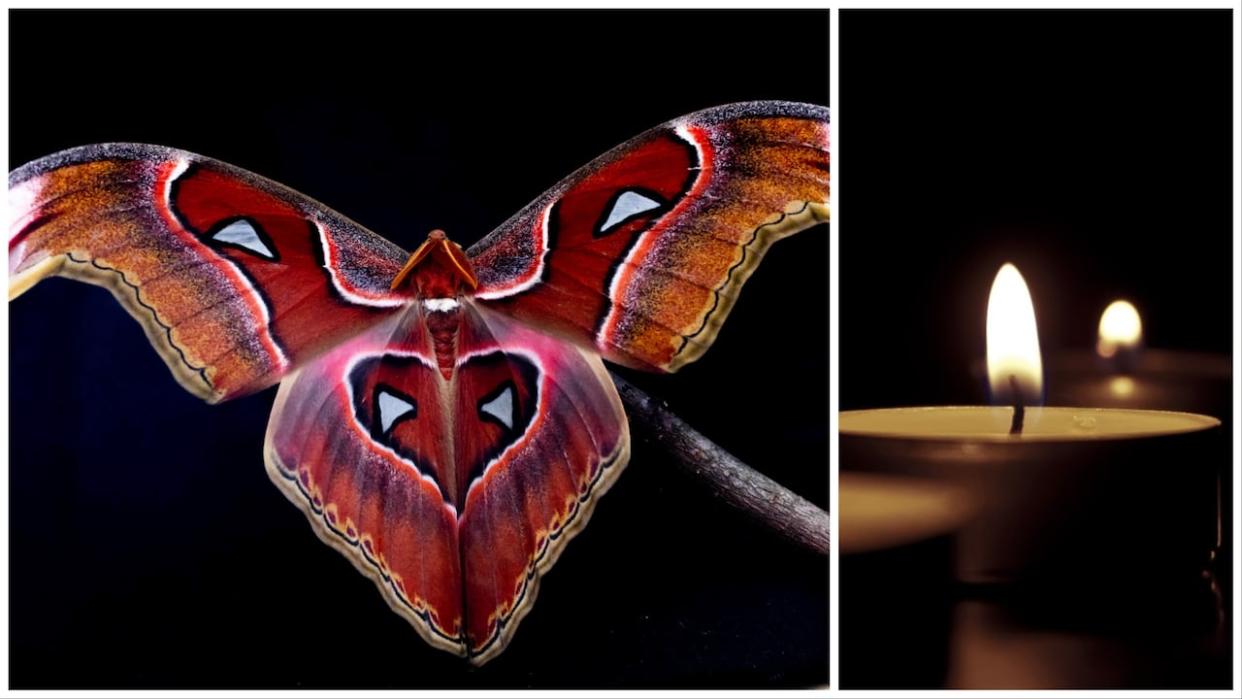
(1019, 410)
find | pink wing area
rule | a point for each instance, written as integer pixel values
(453, 495)
(236, 279)
(642, 253)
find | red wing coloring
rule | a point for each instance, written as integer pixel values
(444, 419)
(640, 255)
(236, 279)
(455, 532)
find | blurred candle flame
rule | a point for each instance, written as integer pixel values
(1120, 329)
(1013, 339)
(1121, 386)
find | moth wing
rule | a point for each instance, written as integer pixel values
(236, 279)
(334, 448)
(454, 497)
(532, 497)
(641, 253)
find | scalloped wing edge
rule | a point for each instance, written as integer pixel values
(611, 467)
(292, 490)
(798, 216)
(191, 378)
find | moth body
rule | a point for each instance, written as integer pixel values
(438, 273)
(444, 418)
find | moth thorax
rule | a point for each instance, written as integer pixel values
(443, 326)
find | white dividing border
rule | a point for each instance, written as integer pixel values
(4, 381)
(834, 266)
(834, 300)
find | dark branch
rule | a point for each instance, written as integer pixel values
(731, 480)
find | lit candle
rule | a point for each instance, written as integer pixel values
(1015, 369)
(1062, 492)
(1121, 372)
(1121, 330)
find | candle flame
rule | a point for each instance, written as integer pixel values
(1120, 329)
(1013, 339)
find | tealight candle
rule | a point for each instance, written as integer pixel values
(1061, 491)
(880, 512)
(1122, 373)
(896, 544)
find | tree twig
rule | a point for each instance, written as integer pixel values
(731, 480)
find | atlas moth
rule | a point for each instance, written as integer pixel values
(444, 417)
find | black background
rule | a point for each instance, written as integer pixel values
(148, 548)
(1091, 149)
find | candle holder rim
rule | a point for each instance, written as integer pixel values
(1205, 422)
